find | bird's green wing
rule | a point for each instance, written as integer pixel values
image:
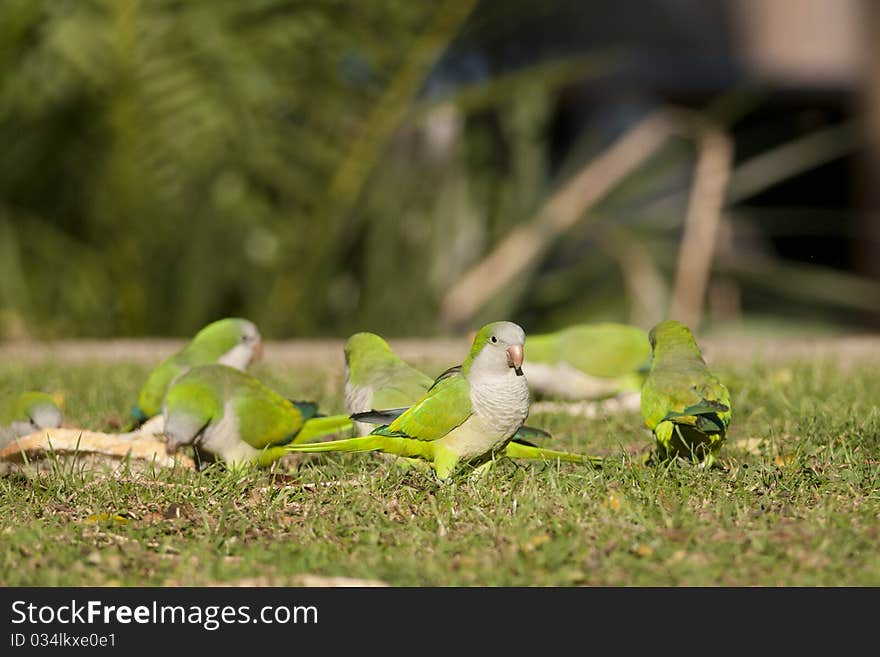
(605, 350)
(152, 393)
(665, 393)
(706, 403)
(404, 386)
(264, 416)
(455, 370)
(394, 397)
(411, 379)
(707, 412)
(445, 406)
(716, 395)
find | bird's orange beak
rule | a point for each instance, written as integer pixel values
(258, 350)
(515, 358)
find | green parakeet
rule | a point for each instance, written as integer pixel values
(467, 416)
(683, 403)
(588, 361)
(377, 378)
(28, 412)
(228, 414)
(232, 341)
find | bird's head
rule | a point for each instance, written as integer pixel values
(231, 341)
(671, 335)
(35, 411)
(364, 349)
(46, 416)
(497, 348)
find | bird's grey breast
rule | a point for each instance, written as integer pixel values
(503, 401)
(358, 398)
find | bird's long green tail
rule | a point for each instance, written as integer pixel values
(520, 451)
(318, 427)
(387, 444)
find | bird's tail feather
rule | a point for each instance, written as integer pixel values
(318, 427)
(381, 417)
(703, 415)
(520, 451)
(388, 444)
(525, 434)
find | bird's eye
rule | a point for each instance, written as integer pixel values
(494, 339)
(32, 421)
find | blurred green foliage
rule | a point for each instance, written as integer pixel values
(165, 163)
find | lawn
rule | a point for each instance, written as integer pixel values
(795, 501)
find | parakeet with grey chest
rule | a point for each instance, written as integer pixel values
(377, 378)
(467, 416)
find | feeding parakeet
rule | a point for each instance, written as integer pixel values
(683, 403)
(468, 415)
(588, 361)
(232, 341)
(28, 412)
(229, 414)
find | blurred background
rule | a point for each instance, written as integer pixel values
(418, 168)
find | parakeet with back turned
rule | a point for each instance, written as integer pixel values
(587, 361)
(230, 415)
(683, 403)
(377, 378)
(467, 416)
(26, 413)
(232, 341)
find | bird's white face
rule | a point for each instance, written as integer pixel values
(46, 416)
(502, 351)
(181, 429)
(43, 416)
(248, 349)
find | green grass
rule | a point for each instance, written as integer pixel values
(796, 501)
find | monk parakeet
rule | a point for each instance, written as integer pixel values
(683, 403)
(377, 378)
(232, 341)
(588, 361)
(28, 412)
(228, 414)
(467, 416)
